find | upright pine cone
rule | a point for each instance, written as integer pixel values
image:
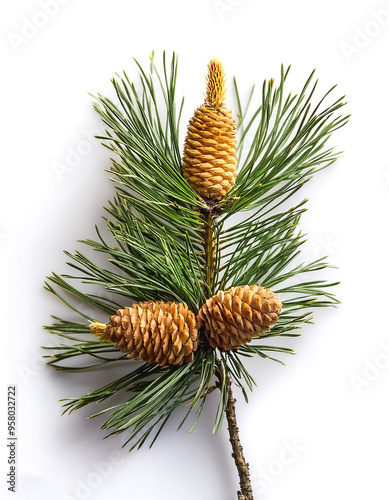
(234, 317)
(157, 332)
(209, 161)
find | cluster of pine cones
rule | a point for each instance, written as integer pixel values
(166, 333)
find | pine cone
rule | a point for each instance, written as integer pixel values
(234, 317)
(209, 160)
(157, 332)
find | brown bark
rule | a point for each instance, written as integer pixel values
(208, 213)
(245, 492)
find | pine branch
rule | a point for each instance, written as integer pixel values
(167, 243)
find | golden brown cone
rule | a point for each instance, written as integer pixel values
(209, 160)
(157, 332)
(234, 317)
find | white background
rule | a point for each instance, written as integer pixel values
(330, 402)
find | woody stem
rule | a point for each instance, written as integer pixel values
(245, 492)
(209, 250)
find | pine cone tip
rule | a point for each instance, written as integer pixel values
(216, 84)
(98, 328)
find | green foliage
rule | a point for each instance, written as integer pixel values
(157, 224)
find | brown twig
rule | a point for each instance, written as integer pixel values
(208, 213)
(245, 492)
